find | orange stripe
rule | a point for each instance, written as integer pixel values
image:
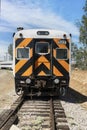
(54, 52)
(56, 71)
(43, 60)
(37, 64)
(28, 72)
(64, 64)
(42, 74)
(40, 60)
(31, 52)
(25, 42)
(62, 46)
(19, 65)
(68, 51)
(47, 65)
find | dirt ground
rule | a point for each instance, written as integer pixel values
(7, 92)
(79, 83)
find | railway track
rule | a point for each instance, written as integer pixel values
(35, 114)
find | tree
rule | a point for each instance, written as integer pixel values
(80, 59)
(82, 52)
(10, 50)
(83, 27)
(74, 49)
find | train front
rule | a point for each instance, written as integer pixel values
(41, 62)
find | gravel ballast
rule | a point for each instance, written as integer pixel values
(76, 115)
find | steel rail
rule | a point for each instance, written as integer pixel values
(10, 116)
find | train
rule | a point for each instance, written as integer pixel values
(41, 62)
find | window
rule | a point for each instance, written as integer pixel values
(22, 53)
(61, 53)
(42, 47)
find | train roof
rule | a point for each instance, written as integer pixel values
(45, 33)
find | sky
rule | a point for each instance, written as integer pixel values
(49, 14)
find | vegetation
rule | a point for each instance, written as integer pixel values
(10, 50)
(81, 53)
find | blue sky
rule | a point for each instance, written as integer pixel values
(52, 14)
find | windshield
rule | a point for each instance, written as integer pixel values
(42, 47)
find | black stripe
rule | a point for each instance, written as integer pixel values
(54, 44)
(67, 61)
(60, 67)
(67, 44)
(25, 67)
(31, 44)
(18, 41)
(16, 61)
(36, 57)
(42, 67)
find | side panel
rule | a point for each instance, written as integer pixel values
(23, 67)
(61, 66)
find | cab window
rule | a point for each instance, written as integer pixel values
(22, 53)
(42, 47)
(61, 53)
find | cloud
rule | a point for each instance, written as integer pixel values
(29, 13)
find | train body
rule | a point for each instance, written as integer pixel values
(41, 62)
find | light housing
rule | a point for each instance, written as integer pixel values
(28, 80)
(56, 81)
(21, 35)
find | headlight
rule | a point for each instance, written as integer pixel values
(56, 81)
(28, 81)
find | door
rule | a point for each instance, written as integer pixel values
(42, 58)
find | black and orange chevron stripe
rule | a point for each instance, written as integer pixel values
(41, 65)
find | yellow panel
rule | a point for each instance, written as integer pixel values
(19, 65)
(37, 64)
(31, 52)
(42, 73)
(62, 46)
(47, 64)
(64, 64)
(42, 59)
(56, 41)
(28, 72)
(25, 42)
(56, 72)
(54, 52)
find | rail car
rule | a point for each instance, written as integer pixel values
(41, 62)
